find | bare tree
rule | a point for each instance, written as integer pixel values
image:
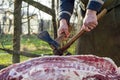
(17, 30)
(40, 7)
(46, 10)
(28, 20)
(54, 20)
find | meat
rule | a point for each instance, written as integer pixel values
(77, 67)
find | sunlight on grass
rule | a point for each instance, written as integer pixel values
(23, 58)
(5, 59)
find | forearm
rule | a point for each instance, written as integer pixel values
(90, 19)
(66, 9)
(90, 12)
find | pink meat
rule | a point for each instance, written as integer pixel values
(79, 67)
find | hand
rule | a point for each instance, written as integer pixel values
(90, 20)
(63, 28)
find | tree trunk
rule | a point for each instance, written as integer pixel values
(28, 19)
(105, 39)
(54, 20)
(0, 29)
(17, 30)
(41, 25)
(57, 5)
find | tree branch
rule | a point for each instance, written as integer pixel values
(20, 52)
(41, 7)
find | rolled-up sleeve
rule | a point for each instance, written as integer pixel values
(95, 4)
(66, 9)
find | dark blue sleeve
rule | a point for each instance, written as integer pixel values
(95, 4)
(66, 9)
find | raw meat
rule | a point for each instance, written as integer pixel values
(77, 67)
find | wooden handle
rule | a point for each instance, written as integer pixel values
(74, 38)
(71, 41)
(101, 14)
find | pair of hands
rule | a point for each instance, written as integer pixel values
(89, 23)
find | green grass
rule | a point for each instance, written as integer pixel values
(29, 44)
(5, 59)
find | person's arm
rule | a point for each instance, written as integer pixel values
(66, 10)
(90, 19)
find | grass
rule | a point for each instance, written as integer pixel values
(29, 44)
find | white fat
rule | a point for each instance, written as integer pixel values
(110, 60)
(68, 70)
(67, 73)
(118, 70)
(14, 74)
